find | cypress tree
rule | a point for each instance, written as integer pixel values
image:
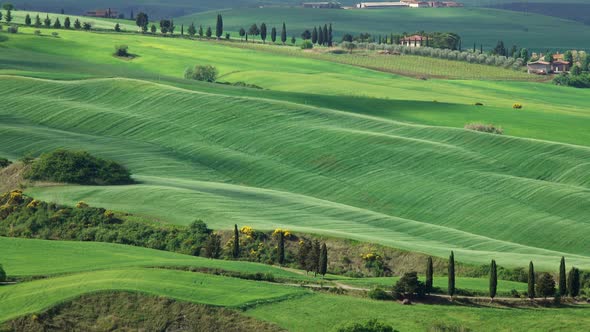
(27, 20)
(281, 248)
(77, 24)
(573, 282)
(153, 29)
(531, 281)
(182, 29)
(313, 258)
(117, 27)
(493, 279)
(452, 275)
(200, 31)
(429, 275)
(8, 17)
(273, 34)
(314, 35)
(219, 27)
(304, 249)
(323, 260)
(326, 34)
(209, 33)
(47, 22)
(562, 278)
(37, 22)
(284, 34)
(263, 32)
(192, 31)
(236, 244)
(320, 36)
(67, 23)
(57, 24)
(330, 36)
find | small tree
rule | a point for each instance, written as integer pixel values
(293, 40)
(562, 278)
(87, 26)
(8, 16)
(531, 281)
(192, 31)
(142, 20)
(236, 243)
(47, 22)
(37, 22)
(213, 246)
(57, 24)
(263, 32)
(546, 285)
(254, 31)
(200, 31)
(408, 285)
(242, 33)
(2, 274)
(273, 35)
(77, 24)
(350, 46)
(122, 50)
(281, 248)
(117, 28)
(323, 260)
(451, 286)
(219, 27)
(573, 282)
(209, 33)
(165, 26)
(27, 20)
(429, 275)
(493, 279)
(284, 34)
(306, 35)
(153, 29)
(67, 23)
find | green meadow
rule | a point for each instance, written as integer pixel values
(475, 25)
(97, 23)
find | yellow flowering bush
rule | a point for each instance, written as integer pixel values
(33, 204)
(517, 106)
(286, 233)
(247, 230)
(82, 205)
(109, 214)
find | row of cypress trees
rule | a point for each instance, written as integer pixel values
(544, 287)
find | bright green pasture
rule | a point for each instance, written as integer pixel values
(302, 315)
(550, 112)
(97, 23)
(27, 257)
(30, 297)
(277, 164)
(474, 25)
(479, 285)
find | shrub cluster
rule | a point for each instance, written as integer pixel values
(201, 73)
(4, 162)
(306, 45)
(485, 128)
(369, 326)
(22, 216)
(576, 81)
(78, 167)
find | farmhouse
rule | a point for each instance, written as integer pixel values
(414, 41)
(539, 67)
(560, 66)
(108, 13)
(322, 5)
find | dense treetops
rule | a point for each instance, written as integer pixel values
(78, 167)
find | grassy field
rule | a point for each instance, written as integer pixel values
(30, 297)
(475, 25)
(26, 257)
(316, 170)
(301, 315)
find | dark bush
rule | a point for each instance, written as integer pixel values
(122, 51)
(371, 326)
(379, 294)
(4, 162)
(78, 167)
(202, 73)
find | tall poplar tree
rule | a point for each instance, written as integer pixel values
(573, 282)
(493, 279)
(236, 244)
(429, 275)
(531, 281)
(323, 260)
(219, 27)
(562, 278)
(273, 34)
(284, 34)
(263, 32)
(451, 287)
(281, 253)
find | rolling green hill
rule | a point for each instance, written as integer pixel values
(474, 25)
(309, 169)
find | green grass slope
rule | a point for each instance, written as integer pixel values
(268, 163)
(97, 23)
(301, 315)
(550, 112)
(475, 25)
(24, 298)
(27, 257)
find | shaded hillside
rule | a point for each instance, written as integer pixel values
(572, 11)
